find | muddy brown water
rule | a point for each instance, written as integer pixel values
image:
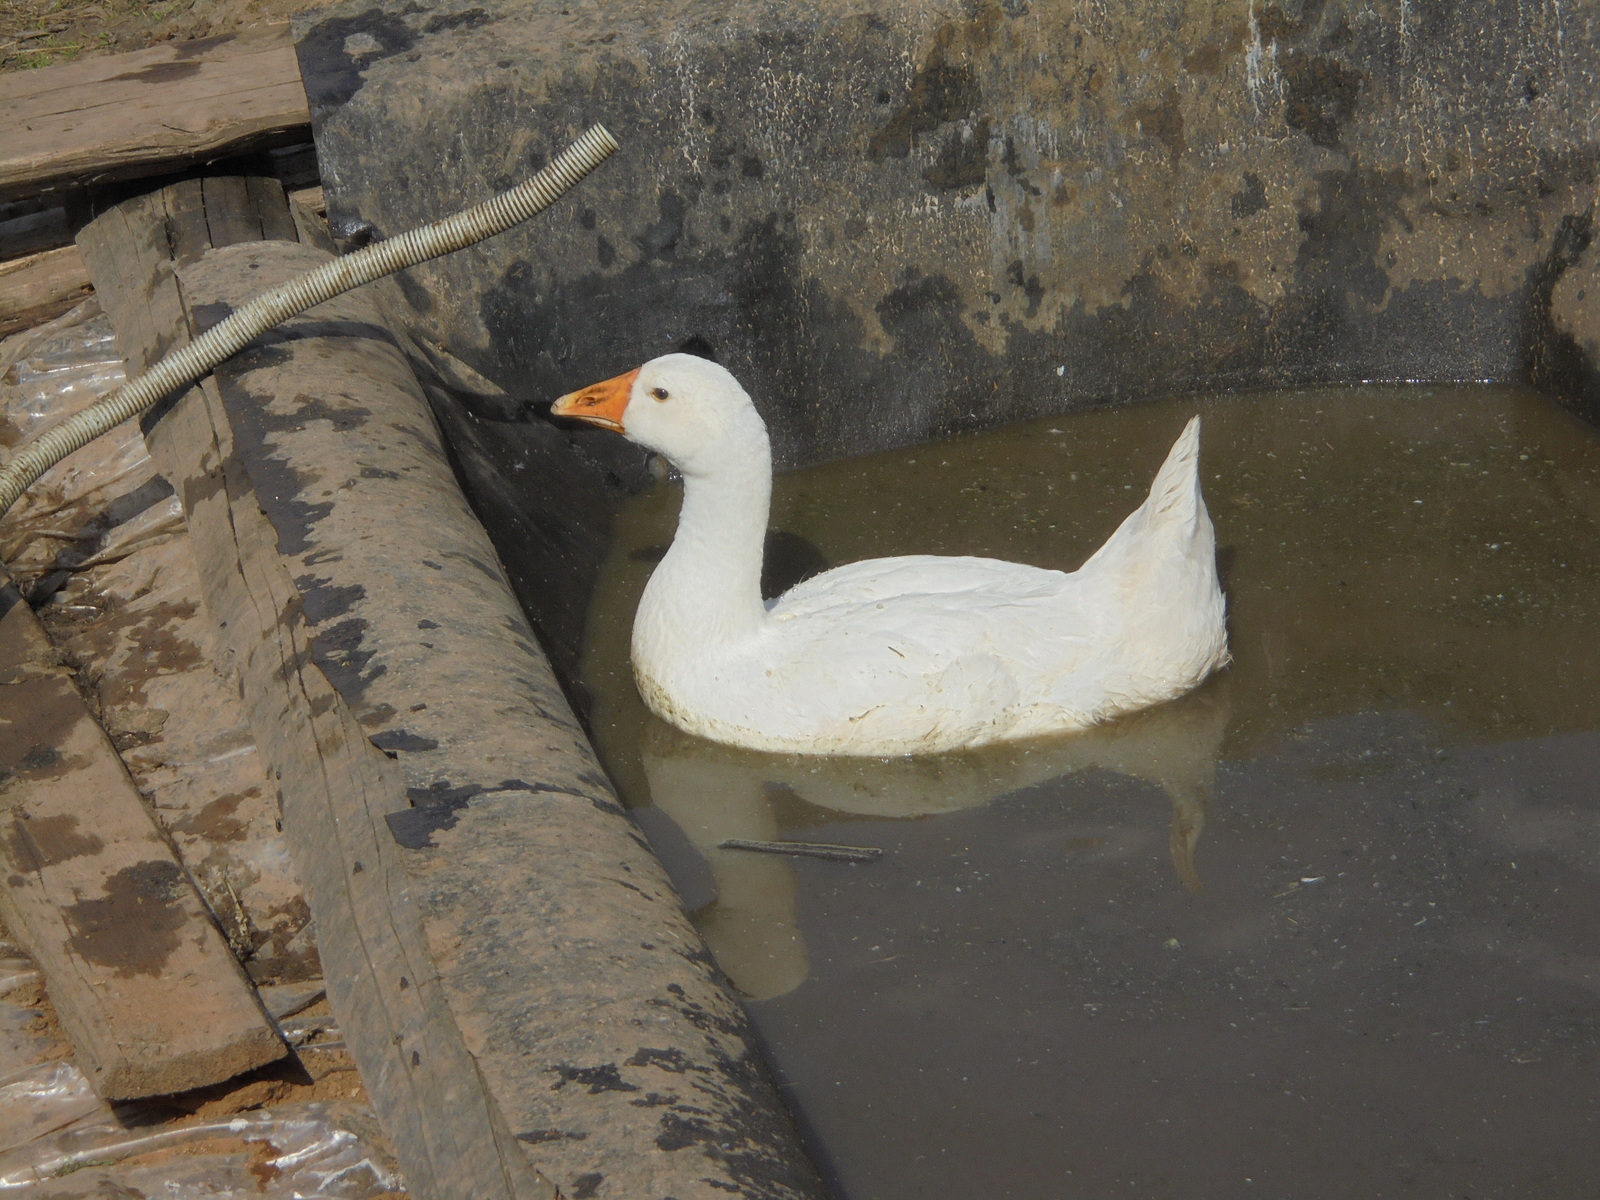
(1325, 928)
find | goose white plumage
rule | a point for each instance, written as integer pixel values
(893, 656)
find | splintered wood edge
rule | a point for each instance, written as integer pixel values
(126, 115)
(41, 286)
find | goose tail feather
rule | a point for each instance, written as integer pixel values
(1175, 493)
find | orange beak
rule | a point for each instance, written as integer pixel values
(599, 404)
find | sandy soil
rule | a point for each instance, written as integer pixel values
(38, 33)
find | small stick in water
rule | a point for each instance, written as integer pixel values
(853, 854)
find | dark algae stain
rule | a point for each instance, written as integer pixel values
(603, 1078)
(401, 739)
(939, 93)
(671, 1059)
(338, 651)
(1343, 235)
(40, 758)
(536, 1137)
(44, 713)
(472, 18)
(1554, 358)
(1164, 122)
(1251, 197)
(437, 807)
(134, 927)
(169, 72)
(321, 601)
(1320, 96)
(944, 89)
(661, 239)
(963, 160)
(332, 73)
(216, 821)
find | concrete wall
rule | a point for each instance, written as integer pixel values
(898, 220)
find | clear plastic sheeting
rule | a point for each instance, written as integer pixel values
(17, 972)
(41, 1089)
(101, 503)
(59, 1140)
(41, 1099)
(313, 1151)
(57, 369)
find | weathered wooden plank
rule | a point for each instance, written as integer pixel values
(127, 115)
(129, 607)
(142, 980)
(266, 200)
(188, 232)
(335, 786)
(230, 215)
(41, 286)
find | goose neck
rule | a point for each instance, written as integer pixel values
(711, 577)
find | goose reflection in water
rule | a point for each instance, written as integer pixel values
(714, 793)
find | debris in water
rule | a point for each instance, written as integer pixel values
(853, 854)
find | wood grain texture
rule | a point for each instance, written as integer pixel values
(143, 982)
(127, 115)
(335, 786)
(41, 286)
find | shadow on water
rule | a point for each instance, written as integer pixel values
(1329, 919)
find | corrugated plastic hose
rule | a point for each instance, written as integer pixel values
(182, 367)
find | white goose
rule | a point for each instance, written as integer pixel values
(913, 655)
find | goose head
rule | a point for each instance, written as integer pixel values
(688, 409)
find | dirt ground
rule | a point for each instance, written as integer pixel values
(38, 33)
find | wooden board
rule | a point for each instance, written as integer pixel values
(149, 112)
(41, 286)
(144, 984)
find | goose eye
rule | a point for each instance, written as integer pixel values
(659, 393)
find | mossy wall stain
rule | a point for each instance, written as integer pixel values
(1059, 164)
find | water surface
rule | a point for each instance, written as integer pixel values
(1326, 927)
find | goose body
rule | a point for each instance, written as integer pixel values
(919, 654)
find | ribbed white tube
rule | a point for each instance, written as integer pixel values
(182, 367)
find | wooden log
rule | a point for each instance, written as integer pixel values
(335, 786)
(41, 286)
(149, 112)
(143, 982)
(582, 968)
(577, 981)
